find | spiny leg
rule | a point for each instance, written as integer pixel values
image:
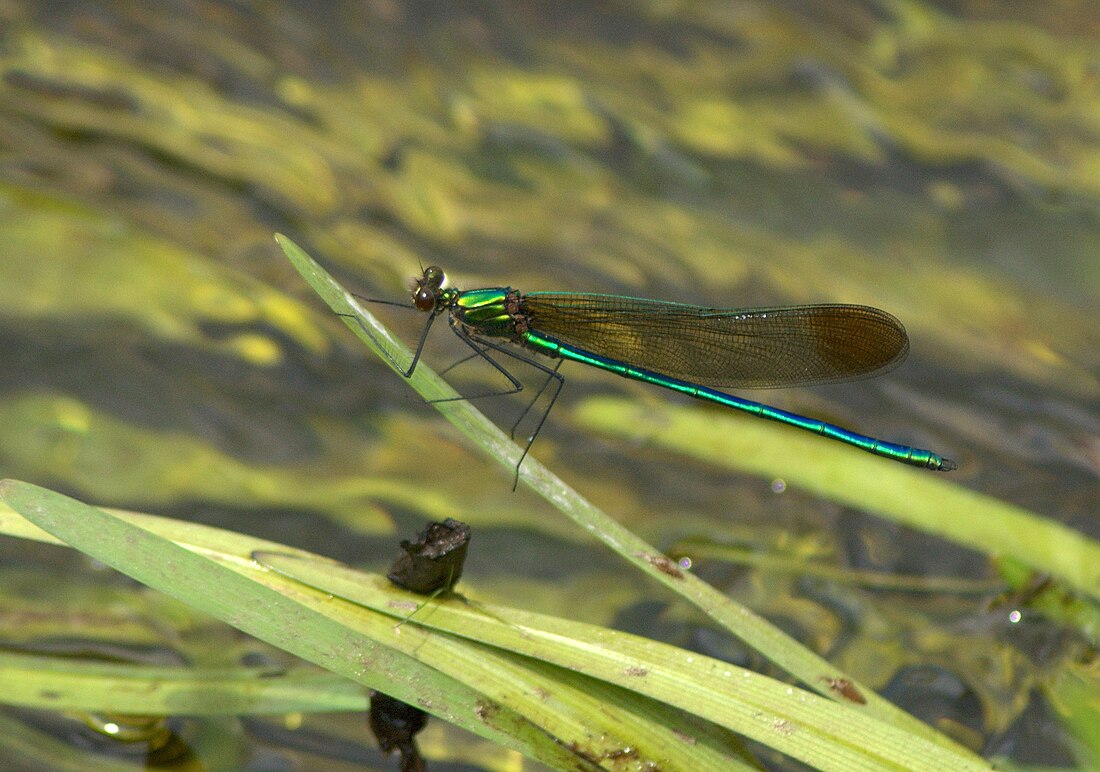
(479, 345)
(534, 399)
(405, 373)
(552, 374)
(456, 363)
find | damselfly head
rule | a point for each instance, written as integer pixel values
(425, 293)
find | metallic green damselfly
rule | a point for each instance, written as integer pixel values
(687, 348)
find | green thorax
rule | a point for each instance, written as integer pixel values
(487, 311)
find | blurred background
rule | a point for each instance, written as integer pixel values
(940, 160)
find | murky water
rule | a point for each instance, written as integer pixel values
(934, 159)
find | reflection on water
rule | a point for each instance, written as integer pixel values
(935, 160)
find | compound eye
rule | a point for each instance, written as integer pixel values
(424, 298)
(433, 276)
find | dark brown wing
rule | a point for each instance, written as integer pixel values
(749, 348)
